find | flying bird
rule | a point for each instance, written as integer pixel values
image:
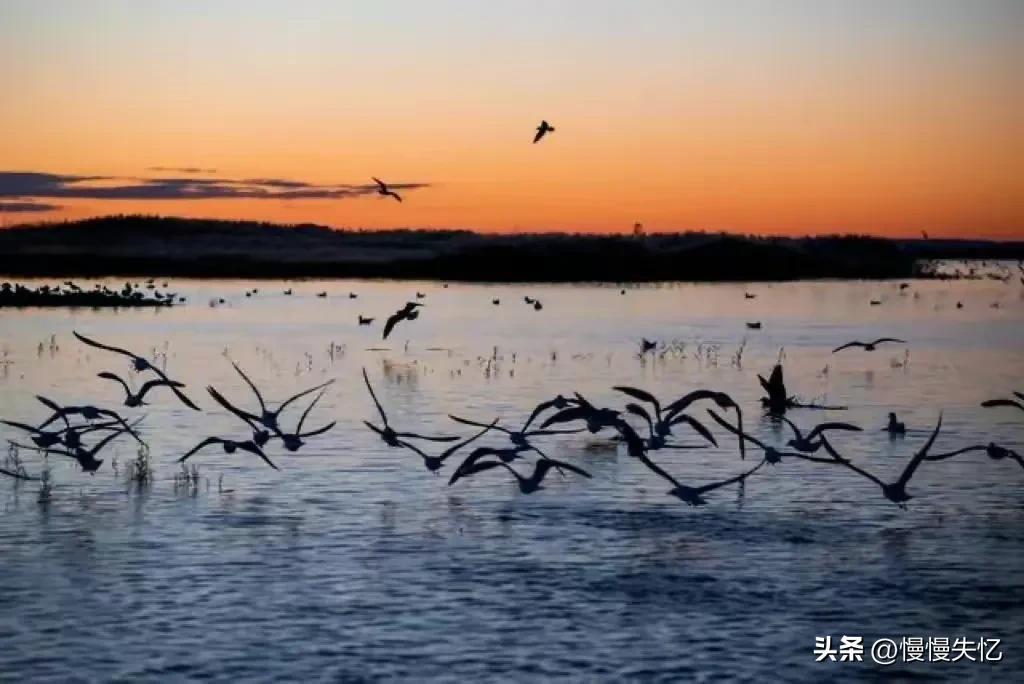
(993, 403)
(387, 433)
(140, 364)
(868, 346)
(382, 189)
(135, 399)
(406, 313)
(543, 130)
(230, 446)
(531, 484)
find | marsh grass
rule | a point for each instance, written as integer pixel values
(140, 471)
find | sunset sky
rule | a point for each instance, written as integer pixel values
(790, 117)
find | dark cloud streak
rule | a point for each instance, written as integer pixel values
(50, 185)
(26, 207)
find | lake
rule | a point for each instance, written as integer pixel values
(356, 563)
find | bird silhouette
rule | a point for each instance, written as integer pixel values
(771, 454)
(382, 189)
(543, 129)
(894, 491)
(387, 433)
(407, 313)
(531, 484)
(993, 450)
(806, 444)
(895, 427)
(230, 446)
(140, 364)
(135, 399)
(364, 320)
(994, 403)
(868, 346)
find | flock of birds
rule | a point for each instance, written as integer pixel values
(68, 427)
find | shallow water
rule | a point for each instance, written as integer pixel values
(354, 562)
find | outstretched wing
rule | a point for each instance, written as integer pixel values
(824, 427)
(704, 489)
(107, 375)
(880, 340)
(106, 347)
(376, 403)
(390, 324)
(696, 425)
(567, 416)
(202, 445)
(451, 450)
(919, 456)
(641, 395)
(847, 346)
(253, 449)
(250, 420)
(540, 408)
(252, 386)
(736, 431)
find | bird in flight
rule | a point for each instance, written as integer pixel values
(382, 189)
(230, 446)
(406, 313)
(806, 443)
(134, 399)
(543, 130)
(527, 485)
(141, 364)
(868, 346)
(387, 433)
(992, 403)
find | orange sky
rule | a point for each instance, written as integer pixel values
(798, 117)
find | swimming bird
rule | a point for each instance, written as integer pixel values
(806, 444)
(365, 320)
(542, 130)
(140, 364)
(895, 427)
(749, 295)
(420, 295)
(352, 295)
(895, 491)
(531, 484)
(495, 302)
(754, 325)
(528, 300)
(406, 313)
(868, 346)
(387, 433)
(647, 345)
(537, 306)
(135, 399)
(322, 295)
(230, 446)
(382, 189)
(993, 403)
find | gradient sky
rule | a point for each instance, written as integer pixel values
(769, 116)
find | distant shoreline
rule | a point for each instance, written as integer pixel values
(196, 248)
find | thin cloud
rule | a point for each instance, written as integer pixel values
(26, 207)
(180, 169)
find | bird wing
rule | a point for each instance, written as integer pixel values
(107, 375)
(413, 435)
(951, 454)
(157, 383)
(992, 403)
(318, 431)
(451, 450)
(888, 339)
(919, 456)
(704, 489)
(696, 425)
(658, 470)
(22, 426)
(249, 418)
(394, 194)
(848, 345)
(202, 445)
(545, 464)
(540, 134)
(380, 183)
(796, 431)
(736, 431)
(252, 386)
(390, 324)
(467, 421)
(478, 468)
(567, 415)
(641, 395)
(302, 419)
(107, 347)
(105, 441)
(467, 465)
(539, 409)
(303, 393)
(253, 449)
(376, 403)
(818, 429)
(58, 412)
(638, 410)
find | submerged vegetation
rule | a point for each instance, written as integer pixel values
(138, 245)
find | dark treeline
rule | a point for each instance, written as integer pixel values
(144, 245)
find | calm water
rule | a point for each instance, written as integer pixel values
(354, 562)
